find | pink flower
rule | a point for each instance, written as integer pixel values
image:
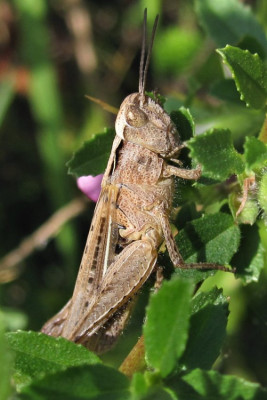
(90, 186)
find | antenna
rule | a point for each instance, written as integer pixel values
(143, 70)
(143, 52)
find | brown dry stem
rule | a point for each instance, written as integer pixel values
(103, 104)
(10, 262)
(135, 361)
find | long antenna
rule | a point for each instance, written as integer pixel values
(143, 52)
(143, 70)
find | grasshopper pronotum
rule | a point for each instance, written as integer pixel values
(130, 222)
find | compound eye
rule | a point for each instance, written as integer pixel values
(136, 117)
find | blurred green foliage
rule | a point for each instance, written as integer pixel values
(55, 52)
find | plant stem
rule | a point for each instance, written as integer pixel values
(135, 361)
(10, 262)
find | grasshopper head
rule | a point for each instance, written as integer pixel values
(144, 122)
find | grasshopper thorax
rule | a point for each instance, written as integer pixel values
(143, 121)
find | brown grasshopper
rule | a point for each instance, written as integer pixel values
(130, 222)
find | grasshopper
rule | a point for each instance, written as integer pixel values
(130, 222)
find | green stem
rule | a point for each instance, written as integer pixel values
(263, 131)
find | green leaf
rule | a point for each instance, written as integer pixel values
(159, 393)
(263, 238)
(139, 386)
(212, 238)
(215, 152)
(207, 330)
(14, 319)
(249, 260)
(241, 121)
(195, 275)
(200, 385)
(148, 387)
(96, 382)
(175, 49)
(184, 123)
(250, 211)
(255, 152)
(92, 157)
(166, 327)
(6, 363)
(210, 70)
(228, 21)
(37, 354)
(157, 97)
(249, 73)
(225, 90)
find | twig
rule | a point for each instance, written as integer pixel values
(10, 262)
(105, 106)
(80, 25)
(135, 361)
